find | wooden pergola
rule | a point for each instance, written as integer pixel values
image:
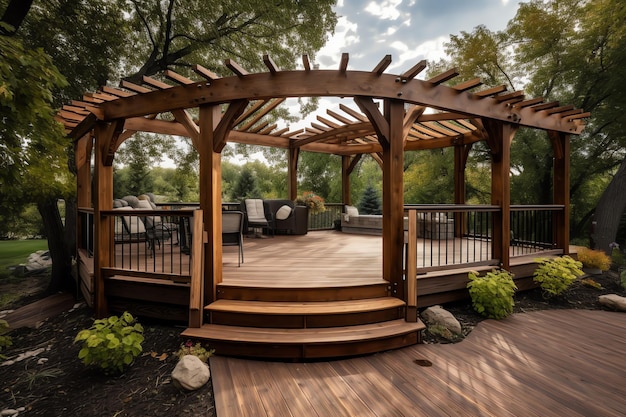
(397, 113)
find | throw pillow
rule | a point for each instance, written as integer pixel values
(283, 212)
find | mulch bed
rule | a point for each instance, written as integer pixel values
(56, 383)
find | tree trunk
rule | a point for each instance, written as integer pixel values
(59, 246)
(14, 15)
(609, 210)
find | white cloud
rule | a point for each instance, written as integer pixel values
(386, 10)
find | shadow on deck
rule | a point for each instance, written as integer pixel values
(544, 363)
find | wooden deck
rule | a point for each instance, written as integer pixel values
(545, 363)
(329, 260)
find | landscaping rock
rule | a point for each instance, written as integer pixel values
(438, 316)
(190, 373)
(613, 301)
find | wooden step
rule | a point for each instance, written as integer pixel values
(297, 293)
(303, 314)
(308, 343)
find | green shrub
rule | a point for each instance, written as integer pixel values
(492, 294)
(555, 275)
(5, 341)
(188, 348)
(622, 278)
(111, 343)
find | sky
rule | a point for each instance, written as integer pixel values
(408, 30)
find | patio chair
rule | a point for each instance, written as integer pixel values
(158, 231)
(256, 215)
(130, 229)
(232, 231)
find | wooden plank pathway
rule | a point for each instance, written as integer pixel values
(31, 315)
(544, 363)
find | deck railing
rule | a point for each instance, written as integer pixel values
(448, 236)
(151, 243)
(325, 220)
(532, 229)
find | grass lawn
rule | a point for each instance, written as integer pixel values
(15, 252)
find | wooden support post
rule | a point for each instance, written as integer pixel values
(292, 168)
(82, 154)
(83, 149)
(411, 268)
(393, 198)
(500, 138)
(561, 147)
(345, 180)
(461, 153)
(211, 199)
(103, 227)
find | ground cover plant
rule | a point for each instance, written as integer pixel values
(492, 293)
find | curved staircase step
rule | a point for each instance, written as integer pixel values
(308, 343)
(302, 314)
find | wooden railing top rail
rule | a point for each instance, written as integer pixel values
(450, 207)
(545, 207)
(480, 207)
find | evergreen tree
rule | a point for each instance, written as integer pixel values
(370, 202)
(245, 187)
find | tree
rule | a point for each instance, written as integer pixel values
(175, 35)
(370, 202)
(88, 41)
(245, 187)
(33, 161)
(576, 51)
(569, 51)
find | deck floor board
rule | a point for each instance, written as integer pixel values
(542, 363)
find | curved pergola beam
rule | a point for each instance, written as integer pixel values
(333, 83)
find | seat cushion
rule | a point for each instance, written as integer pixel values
(254, 210)
(352, 211)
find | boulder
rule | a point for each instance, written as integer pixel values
(190, 373)
(438, 316)
(613, 301)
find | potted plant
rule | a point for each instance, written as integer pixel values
(594, 261)
(312, 201)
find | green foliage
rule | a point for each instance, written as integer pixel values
(617, 257)
(246, 186)
(594, 258)
(429, 177)
(111, 344)
(562, 50)
(188, 348)
(370, 202)
(5, 341)
(555, 275)
(33, 377)
(622, 279)
(32, 145)
(492, 294)
(172, 35)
